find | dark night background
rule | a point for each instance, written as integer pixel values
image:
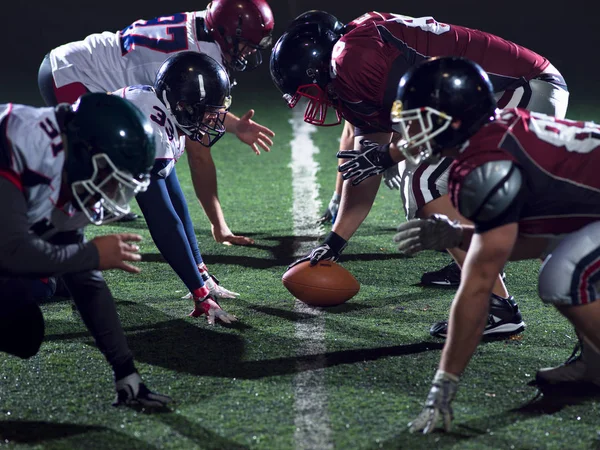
(566, 35)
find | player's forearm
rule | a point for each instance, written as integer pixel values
(468, 314)
(231, 121)
(467, 320)
(204, 179)
(23, 253)
(355, 206)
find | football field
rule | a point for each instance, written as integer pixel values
(287, 376)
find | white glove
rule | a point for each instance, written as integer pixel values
(392, 178)
(131, 391)
(438, 404)
(204, 303)
(436, 233)
(218, 291)
(332, 209)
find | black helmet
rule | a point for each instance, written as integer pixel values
(436, 93)
(323, 18)
(300, 68)
(196, 90)
(110, 151)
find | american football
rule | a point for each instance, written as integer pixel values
(325, 284)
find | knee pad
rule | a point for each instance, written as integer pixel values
(569, 275)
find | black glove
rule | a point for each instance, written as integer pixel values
(371, 159)
(329, 250)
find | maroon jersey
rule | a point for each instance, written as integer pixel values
(559, 161)
(368, 61)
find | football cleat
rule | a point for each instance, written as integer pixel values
(504, 320)
(446, 276)
(582, 366)
(131, 391)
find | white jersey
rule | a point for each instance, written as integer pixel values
(170, 142)
(108, 61)
(35, 165)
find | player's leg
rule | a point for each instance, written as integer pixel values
(21, 320)
(569, 280)
(346, 143)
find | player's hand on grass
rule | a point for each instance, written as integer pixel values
(435, 233)
(372, 159)
(226, 237)
(115, 249)
(131, 391)
(329, 250)
(253, 134)
(438, 406)
(205, 304)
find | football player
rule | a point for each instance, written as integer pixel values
(233, 32)
(357, 74)
(528, 182)
(188, 103)
(60, 169)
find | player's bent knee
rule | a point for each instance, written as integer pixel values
(22, 330)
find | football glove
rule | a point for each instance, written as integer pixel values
(131, 391)
(214, 286)
(329, 250)
(392, 178)
(205, 303)
(372, 159)
(438, 404)
(435, 233)
(332, 209)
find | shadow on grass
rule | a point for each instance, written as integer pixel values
(205, 438)
(72, 435)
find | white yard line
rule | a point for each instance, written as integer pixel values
(313, 431)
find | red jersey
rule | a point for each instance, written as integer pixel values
(559, 161)
(368, 61)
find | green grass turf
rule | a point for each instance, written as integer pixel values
(234, 385)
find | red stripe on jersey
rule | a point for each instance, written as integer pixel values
(416, 185)
(12, 177)
(584, 298)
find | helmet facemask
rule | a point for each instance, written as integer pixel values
(203, 124)
(318, 104)
(244, 55)
(418, 128)
(104, 197)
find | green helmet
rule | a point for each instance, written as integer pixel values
(110, 151)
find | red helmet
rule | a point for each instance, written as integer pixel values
(242, 28)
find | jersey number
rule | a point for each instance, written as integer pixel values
(161, 119)
(163, 34)
(578, 137)
(54, 135)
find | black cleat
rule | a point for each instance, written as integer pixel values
(504, 320)
(448, 276)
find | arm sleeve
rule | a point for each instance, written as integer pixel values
(23, 253)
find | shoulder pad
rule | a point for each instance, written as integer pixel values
(488, 191)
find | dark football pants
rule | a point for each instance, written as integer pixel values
(21, 320)
(97, 308)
